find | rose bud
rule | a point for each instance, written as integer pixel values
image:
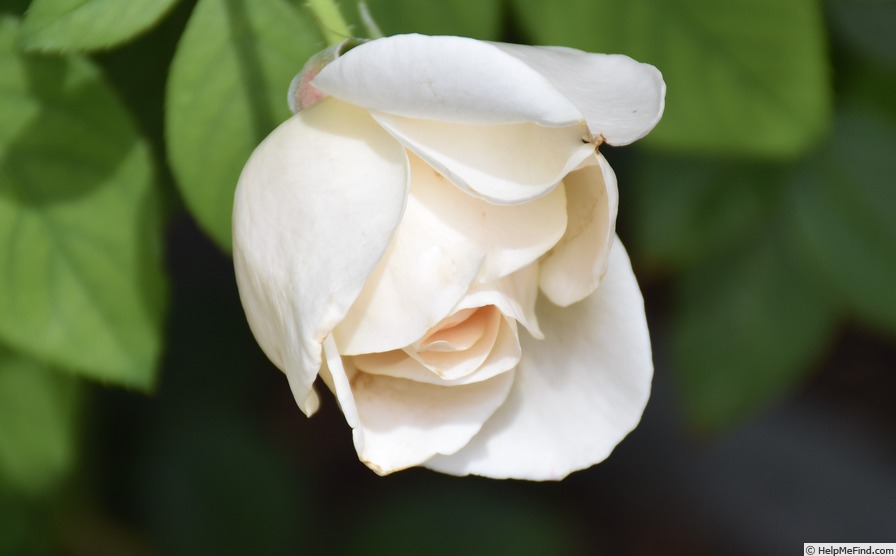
(434, 236)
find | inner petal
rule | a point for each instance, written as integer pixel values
(514, 295)
(509, 237)
(573, 269)
(426, 270)
(451, 365)
(458, 332)
(503, 357)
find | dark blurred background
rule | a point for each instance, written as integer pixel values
(760, 221)
(220, 461)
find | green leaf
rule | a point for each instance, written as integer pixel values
(38, 409)
(749, 326)
(743, 76)
(226, 92)
(81, 282)
(480, 19)
(80, 25)
(687, 208)
(845, 199)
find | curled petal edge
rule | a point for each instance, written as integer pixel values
(293, 204)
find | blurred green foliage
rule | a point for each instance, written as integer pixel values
(38, 420)
(226, 92)
(82, 286)
(763, 202)
(81, 25)
(844, 200)
(478, 19)
(744, 76)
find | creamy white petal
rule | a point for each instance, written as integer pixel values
(503, 357)
(509, 237)
(446, 241)
(577, 393)
(504, 164)
(458, 332)
(574, 268)
(314, 211)
(514, 294)
(335, 374)
(621, 99)
(400, 423)
(451, 365)
(424, 273)
(453, 79)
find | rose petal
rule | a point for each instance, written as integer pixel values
(314, 210)
(425, 272)
(400, 423)
(459, 331)
(504, 164)
(514, 295)
(576, 394)
(503, 356)
(337, 379)
(510, 237)
(452, 79)
(621, 99)
(574, 267)
(451, 365)
(445, 241)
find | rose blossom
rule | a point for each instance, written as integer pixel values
(433, 233)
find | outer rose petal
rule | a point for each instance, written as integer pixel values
(575, 266)
(400, 423)
(576, 394)
(621, 99)
(451, 79)
(314, 211)
(505, 164)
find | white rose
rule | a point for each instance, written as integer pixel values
(435, 238)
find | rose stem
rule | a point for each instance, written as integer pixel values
(330, 21)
